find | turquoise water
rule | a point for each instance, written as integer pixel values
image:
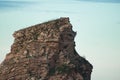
(97, 24)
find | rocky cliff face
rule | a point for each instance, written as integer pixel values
(45, 52)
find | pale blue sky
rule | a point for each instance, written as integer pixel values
(97, 24)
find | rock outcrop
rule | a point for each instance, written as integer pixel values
(45, 52)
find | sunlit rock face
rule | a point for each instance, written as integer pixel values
(45, 51)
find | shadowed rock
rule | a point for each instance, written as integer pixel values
(45, 52)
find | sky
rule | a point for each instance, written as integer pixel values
(97, 23)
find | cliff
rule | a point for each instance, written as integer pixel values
(45, 51)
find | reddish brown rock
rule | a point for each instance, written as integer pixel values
(45, 52)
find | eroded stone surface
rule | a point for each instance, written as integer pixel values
(45, 52)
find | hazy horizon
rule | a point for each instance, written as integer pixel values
(97, 24)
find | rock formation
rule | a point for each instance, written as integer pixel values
(45, 52)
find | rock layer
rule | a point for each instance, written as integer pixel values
(45, 51)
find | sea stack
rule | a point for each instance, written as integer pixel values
(45, 51)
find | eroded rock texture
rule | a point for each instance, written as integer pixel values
(45, 52)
